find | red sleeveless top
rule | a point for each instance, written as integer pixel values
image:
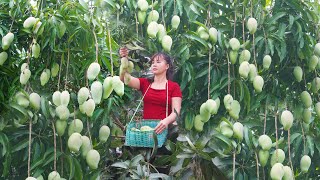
(154, 102)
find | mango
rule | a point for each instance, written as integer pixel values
(130, 67)
(306, 99)
(317, 49)
(153, 16)
(75, 126)
(305, 163)
(298, 73)
(198, 124)
(175, 21)
(317, 109)
(24, 76)
(265, 142)
(288, 174)
(93, 158)
(44, 78)
(74, 142)
(56, 98)
(24, 66)
(233, 56)
(253, 72)
(31, 178)
(226, 129)
(202, 32)
(37, 28)
(7, 40)
(54, 69)
(35, 50)
(93, 71)
(315, 85)
(22, 99)
(3, 57)
(313, 62)
(245, 55)
(29, 22)
(118, 85)
(54, 175)
(107, 87)
(244, 69)
(252, 25)
(235, 109)
(127, 78)
(152, 29)
(83, 95)
(286, 119)
(86, 146)
(277, 171)
(281, 157)
(142, 16)
(238, 131)
(258, 83)
(34, 99)
(124, 62)
(96, 91)
(306, 116)
(266, 62)
(212, 106)
(263, 157)
(104, 133)
(213, 35)
(63, 112)
(89, 107)
(143, 5)
(65, 98)
(234, 44)
(166, 43)
(227, 100)
(161, 32)
(61, 126)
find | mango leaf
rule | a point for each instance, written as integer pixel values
(21, 145)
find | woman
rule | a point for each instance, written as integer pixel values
(156, 90)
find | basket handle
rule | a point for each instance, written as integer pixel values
(139, 104)
(167, 93)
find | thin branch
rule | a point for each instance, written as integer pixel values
(304, 139)
(257, 164)
(29, 148)
(234, 165)
(209, 73)
(110, 49)
(96, 45)
(67, 70)
(55, 147)
(60, 68)
(229, 81)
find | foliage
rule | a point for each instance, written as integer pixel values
(287, 31)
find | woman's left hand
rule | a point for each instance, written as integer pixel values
(161, 126)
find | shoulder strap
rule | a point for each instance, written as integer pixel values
(139, 104)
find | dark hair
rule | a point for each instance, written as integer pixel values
(170, 70)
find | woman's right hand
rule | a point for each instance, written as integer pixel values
(123, 52)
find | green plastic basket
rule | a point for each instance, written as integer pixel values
(144, 138)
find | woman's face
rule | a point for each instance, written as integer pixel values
(159, 65)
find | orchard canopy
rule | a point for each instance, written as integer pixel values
(249, 71)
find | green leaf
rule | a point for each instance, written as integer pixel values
(77, 169)
(21, 145)
(310, 144)
(194, 9)
(4, 141)
(44, 107)
(193, 36)
(122, 165)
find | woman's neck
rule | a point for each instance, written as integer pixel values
(160, 78)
